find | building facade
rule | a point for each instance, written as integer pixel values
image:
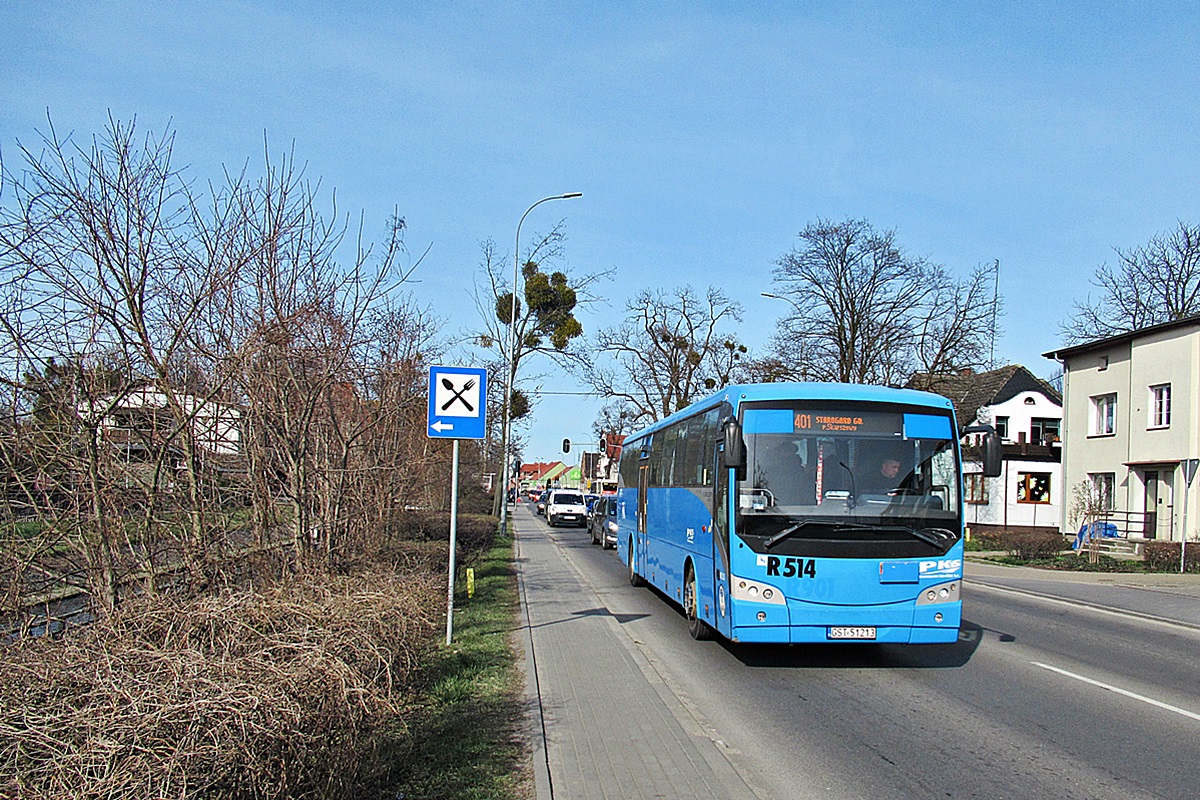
(1130, 422)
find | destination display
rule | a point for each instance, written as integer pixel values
(872, 423)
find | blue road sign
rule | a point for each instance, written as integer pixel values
(457, 402)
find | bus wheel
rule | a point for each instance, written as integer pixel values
(634, 578)
(697, 627)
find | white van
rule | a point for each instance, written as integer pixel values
(566, 506)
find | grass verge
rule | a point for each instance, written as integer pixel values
(1074, 562)
(466, 740)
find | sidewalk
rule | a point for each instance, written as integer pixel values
(1163, 596)
(604, 724)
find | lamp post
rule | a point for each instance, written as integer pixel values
(512, 349)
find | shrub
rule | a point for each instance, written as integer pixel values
(988, 539)
(1164, 556)
(281, 693)
(1032, 546)
(475, 532)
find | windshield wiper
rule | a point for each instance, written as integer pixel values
(935, 537)
(837, 526)
(786, 532)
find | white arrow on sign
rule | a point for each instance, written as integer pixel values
(440, 426)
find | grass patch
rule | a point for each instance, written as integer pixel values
(465, 740)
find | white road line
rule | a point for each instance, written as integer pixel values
(1118, 690)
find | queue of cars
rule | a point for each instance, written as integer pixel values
(597, 513)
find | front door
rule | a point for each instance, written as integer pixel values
(1151, 526)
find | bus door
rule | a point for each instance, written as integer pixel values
(643, 491)
(720, 538)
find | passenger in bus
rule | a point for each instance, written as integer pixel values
(785, 475)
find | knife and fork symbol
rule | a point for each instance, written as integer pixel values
(457, 394)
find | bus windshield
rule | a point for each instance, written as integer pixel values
(849, 471)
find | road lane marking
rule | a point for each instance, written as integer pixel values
(1119, 690)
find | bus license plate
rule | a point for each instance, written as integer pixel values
(851, 633)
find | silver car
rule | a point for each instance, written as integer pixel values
(603, 524)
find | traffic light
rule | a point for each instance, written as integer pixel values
(566, 445)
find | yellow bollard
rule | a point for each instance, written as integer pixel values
(470, 582)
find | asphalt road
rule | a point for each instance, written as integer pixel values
(1039, 698)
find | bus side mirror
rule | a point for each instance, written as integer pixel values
(733, 454)
(990, 450)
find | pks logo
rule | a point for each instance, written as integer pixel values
(942, 568)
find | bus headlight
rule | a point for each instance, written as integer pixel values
(942, 593)
(753, 591)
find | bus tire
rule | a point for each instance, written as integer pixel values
(634, 578)
(698, 628)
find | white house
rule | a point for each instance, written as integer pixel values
(141, 417)
(1027, 413)
(1131, 419)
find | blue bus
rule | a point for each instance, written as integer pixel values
(803, 512)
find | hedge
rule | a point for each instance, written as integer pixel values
(1164, 556)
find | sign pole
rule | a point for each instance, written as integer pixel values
(457, 410)
(1189, 473)
(453, 544)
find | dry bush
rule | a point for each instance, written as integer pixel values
(1164, 556)
(475, 532)
(1032, 546)
(281, 693)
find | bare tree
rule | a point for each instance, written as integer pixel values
(956, 329)
(864, 311)
(101, 240)
(137, 311)
(672, 347)
(304, 333)
(1157, 282)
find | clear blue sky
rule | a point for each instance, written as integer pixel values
(704, 136)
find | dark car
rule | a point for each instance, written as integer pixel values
(603, 524)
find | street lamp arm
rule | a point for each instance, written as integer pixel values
(785, 299)
(512, 345)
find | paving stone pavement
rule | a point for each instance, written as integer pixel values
(604, 723)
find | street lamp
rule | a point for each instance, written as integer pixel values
(787, 300)
(512, 349)
(800, 314)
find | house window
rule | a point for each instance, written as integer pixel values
(1102, 489)
(1160, 406)
(977, 493)
(1002, 428)
(1104, 415)
(1033, 487)
(1044, 430)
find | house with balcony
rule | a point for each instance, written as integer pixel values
(1131, 420)
(1027, 413)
